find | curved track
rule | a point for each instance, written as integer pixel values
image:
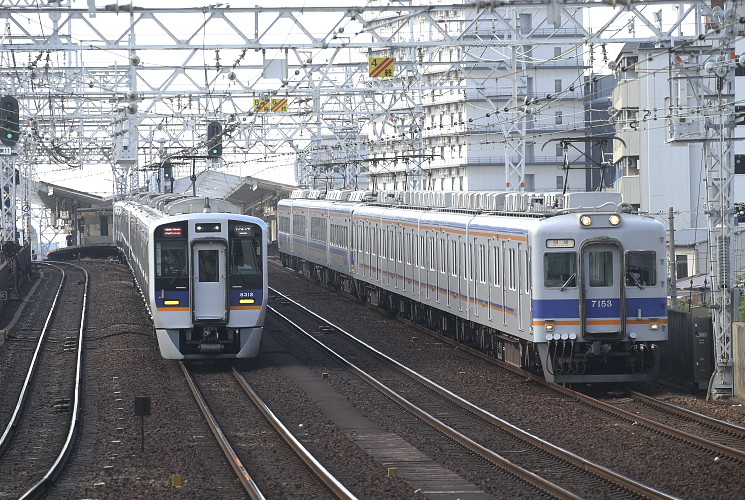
(41, 434)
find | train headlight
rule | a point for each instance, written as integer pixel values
(171, 302)
(614, 219)
(585, 220)
(654, 326)
(247, 301)
(549, 327)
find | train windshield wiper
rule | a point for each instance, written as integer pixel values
(177, 276)
(566, 283)
(636, 280)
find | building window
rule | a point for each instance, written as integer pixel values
(557, 52)
(681, 266)
(559, 182)
(558, 117)
(557, 86)
(559, 150)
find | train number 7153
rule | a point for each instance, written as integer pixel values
(601, 303)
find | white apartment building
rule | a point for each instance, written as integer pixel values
(490, 107)
(654, 172)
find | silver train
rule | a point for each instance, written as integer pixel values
(201, 272)
(572, 286)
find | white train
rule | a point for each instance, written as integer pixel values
(570, 285)
(201, 272)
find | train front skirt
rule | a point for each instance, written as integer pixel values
(209, 342)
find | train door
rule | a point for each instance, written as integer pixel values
(426, 275)
(210, 281)
(506, 281)
(463, 291)
(479, 277)
(522, 284)
(601, 306)
(399, 236)
(407, 257)
(493, 278)
(452, 270)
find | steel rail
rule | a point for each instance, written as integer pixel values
(12, 426)
(47, 482)
(691, 415)
(522, 474)
(235, 463)
(727, 451)
(328, 479)
(570, 457)
(732, 453)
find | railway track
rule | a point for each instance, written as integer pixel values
(720, 439)
(717, 437)
(539, 466)
(236, 413)
(41, 433)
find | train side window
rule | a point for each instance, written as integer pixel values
(560, 269)
(443, 256)
(482, 264)
(497, 266)
(601, 268)
(512, 265)
(453, 257)
(640, 268)
(208, 271)
(432, 262)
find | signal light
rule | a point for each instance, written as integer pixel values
(214, 139)
(9, 127)
(167, 171)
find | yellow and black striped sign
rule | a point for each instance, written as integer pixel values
(382, 67)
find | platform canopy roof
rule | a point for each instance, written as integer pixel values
(243, 191)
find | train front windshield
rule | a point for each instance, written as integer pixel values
(171, 246)
(245, 254)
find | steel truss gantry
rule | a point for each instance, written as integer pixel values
(130, 85)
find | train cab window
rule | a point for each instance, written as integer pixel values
(601, 268)
(170, 260)
(560, 269)
(208, 271)
(640, 269)
(245, 256)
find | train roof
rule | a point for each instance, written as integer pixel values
(502, 202)
(177, 204)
